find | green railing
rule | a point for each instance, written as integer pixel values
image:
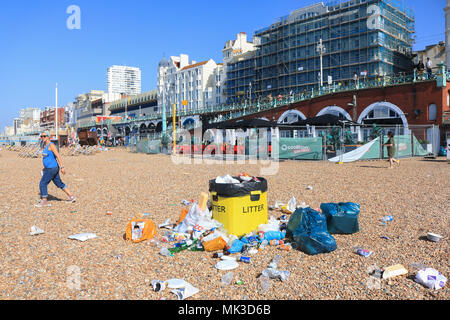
(237, 110)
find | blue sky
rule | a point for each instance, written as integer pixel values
(37, 50)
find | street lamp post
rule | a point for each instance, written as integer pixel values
(321, 50)
(56, 112)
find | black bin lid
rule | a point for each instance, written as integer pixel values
(237, 189)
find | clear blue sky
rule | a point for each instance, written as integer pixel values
(37, 50)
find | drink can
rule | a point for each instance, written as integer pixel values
(245, 259)
(276, 242)
(252, 241)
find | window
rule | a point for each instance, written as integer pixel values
(432, 112)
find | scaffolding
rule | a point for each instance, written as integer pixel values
(362, 37)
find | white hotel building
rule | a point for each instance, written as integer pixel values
(199, 85)
(195, 84)
(124, 80)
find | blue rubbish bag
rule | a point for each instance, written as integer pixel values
(442, 152)
(308, 228)
(342, 218)
(236, 246)
(274, 235)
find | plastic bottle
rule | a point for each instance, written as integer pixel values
(276, 274)
(165, 252)
(263, 244)
(274, 263)
(227, 278)
(264, 283)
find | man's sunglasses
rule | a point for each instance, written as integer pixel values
(43, 136)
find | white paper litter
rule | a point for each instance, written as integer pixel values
(227, 265)
(35, 231)
(226, 179)
(431, 278)
(292, 205)
(83, 236)
(175, 283)
(185, 292)
(166, 224)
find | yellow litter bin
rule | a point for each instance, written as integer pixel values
(241, 207)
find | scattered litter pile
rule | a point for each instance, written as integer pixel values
(307, 230)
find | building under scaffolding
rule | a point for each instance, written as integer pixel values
(361, 38)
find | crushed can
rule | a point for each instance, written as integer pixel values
(245, 259)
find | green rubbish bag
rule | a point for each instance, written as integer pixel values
(342, 218)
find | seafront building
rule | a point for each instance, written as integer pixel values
(124, 80)
(188, 84)
(447, 33)
(239, 61)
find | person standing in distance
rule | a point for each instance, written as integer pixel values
(52, 165)
(391, 150)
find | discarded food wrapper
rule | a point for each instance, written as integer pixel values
(227, 265)
(186, 203)
(431, 278)
(83, 236)
(434, 237)
(394, 271)
(309, 188)
(185, 292)
(35, 231)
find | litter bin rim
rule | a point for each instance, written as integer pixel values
(237, 189)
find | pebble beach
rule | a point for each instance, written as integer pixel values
(40, 267)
